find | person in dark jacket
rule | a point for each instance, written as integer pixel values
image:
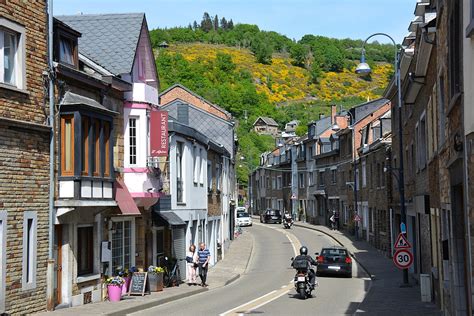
(303, 256)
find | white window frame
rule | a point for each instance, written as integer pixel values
(202, 168)
(181, 170)
(195, 165)
(137, 138)
(30, 265)
(3, 258)
(132, 235)
(209, 175)
(20, 55)
(279, 182)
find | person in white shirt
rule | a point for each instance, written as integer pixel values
(192, 262)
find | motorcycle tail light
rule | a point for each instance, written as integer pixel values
(320, 259)
(348, 260)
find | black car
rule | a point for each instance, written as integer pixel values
(271, 216)
(334, 260)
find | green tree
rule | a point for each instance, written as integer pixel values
(206, 23)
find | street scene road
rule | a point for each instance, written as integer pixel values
(267, 282)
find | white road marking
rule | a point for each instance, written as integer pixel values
(252, 301)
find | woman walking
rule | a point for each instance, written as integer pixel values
(192, 262)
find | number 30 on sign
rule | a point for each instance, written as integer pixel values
(403, 258)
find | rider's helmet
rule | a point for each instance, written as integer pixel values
(303, 250)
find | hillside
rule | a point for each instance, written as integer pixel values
(281, 81)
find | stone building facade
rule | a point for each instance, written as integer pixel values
(24, 158)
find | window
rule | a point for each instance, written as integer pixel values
(273, 183)
(357, 179)
(96, 149)
(179, 172)
(3, 257)
(209, 176)
(158, 244)
(364, 174)
(67, 145)
(279, 182)
(107, 148)
(334, 176)
(311, 178)
(12, 54)
(218, 176)
(67, 49)
(85, 146)
(302, 180)
(441, 112)
(201, 169)
(123, 243)
(195, 165)
(421, 143)
(132, 140)
(28, 279)
(321, 178)
(455, 50)
(85, 250)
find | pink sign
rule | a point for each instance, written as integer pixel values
(159, 133)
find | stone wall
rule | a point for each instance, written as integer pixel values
(24, 159)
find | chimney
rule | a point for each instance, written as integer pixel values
(321, 115)
(333, 113)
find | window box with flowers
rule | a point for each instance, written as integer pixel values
(155, 278)
(114, 288)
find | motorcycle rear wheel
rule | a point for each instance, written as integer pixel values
(302, 293)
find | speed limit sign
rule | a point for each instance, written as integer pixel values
(403, 258)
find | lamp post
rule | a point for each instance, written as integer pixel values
(364, 68)
(354, 161)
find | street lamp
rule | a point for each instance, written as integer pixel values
(336, 128)
(363, 68)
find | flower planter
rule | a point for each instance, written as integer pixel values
(126, 285)
(115, 292)
(155, 281)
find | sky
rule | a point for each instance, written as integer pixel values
(354, 19)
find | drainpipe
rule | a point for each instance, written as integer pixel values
(50, 268)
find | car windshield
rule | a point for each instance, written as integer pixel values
(273, 212)
(333, 252)
(243, 214)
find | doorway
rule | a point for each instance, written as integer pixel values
(58, 240)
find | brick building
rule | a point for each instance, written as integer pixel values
(24, 157)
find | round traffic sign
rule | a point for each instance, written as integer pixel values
(403, 258)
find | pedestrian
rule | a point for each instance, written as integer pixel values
(204, 256)
(333, 220)
(192, 262)
(336, 217)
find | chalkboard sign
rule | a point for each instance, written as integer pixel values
(138, 283)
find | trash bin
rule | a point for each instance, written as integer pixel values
(425, 287)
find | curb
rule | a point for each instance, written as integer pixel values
(340, 243)
(154, 303)
(234, 278)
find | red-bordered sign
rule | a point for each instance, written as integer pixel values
(357, 218)
(402, 242)
(403, 258)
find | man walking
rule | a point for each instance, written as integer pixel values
(204, 257)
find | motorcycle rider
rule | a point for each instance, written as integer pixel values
(311, 262)
(288, 218)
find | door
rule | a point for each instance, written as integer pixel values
(58, 242)
(179, 248)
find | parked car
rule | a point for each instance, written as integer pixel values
(271, 216)
(334, 260)
(244, 219)
(240, 209)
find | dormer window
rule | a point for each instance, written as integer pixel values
(66, 50)
(65, 44)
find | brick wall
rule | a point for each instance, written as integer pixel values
(24, 159)
(180, 93)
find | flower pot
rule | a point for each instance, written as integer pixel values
(126, 285)
(155, 281)
(115, 292)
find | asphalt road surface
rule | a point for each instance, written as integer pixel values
(266, 288)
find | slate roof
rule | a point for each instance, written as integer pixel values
(109, 39)
(267, 120)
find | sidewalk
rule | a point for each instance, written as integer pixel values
(385, 297)
(224, 272)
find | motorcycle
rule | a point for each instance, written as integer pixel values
(302, 282)
(287, 222)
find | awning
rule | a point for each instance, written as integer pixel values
(171, 218)
(124, 200)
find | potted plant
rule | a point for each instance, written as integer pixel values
(114, 288)
(155, 278)
(127, 276)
